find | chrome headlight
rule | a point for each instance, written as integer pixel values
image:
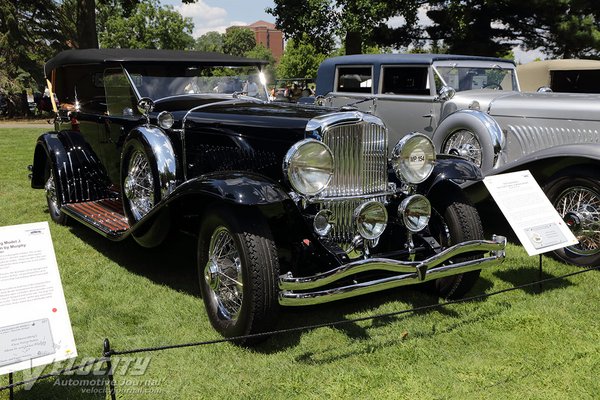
(308, 166)
(370, 219)
(415, 212)
(413, 158)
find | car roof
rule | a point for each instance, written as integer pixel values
(406, 58)
(104, 56)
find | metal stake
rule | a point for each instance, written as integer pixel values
(111, 380)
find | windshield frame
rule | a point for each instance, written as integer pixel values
(504, 66)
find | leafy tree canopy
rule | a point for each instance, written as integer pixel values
(300, 60)
(358, 22)
(149, 26)
(210, 41)
(238, 40)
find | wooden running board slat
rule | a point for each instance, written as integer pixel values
(105, 215)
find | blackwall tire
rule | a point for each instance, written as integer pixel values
(576, 196)
(454, 222)
(238, 271)
(53, 197)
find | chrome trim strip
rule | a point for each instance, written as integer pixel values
(412, 272)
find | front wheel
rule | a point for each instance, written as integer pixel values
(238, 270)
(464, 143)
(576, 196)
(52, 196)
(454, 222)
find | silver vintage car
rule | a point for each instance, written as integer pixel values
(473, 107)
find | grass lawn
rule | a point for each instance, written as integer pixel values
(524, 344)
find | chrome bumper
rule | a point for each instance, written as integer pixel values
(301, 291)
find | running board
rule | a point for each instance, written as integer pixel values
(105, 216)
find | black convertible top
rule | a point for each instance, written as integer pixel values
(101, 56)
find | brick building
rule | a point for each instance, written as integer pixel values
(266, 34)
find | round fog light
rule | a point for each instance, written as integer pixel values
(370, 219)
(415, 212)
(321, 224)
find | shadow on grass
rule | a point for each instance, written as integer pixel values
(173, 263)
(369, 305)
(84, 387)
(523, 276)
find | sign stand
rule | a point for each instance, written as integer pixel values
(11, 394)
(540, 274)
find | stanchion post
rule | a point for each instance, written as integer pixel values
(540, 274)
(11, 392)
(111, 380)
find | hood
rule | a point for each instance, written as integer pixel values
(499, 103)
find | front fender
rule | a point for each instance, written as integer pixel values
(236, 188)
(450, 168)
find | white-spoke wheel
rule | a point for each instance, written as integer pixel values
(465, 144)
(52, 197)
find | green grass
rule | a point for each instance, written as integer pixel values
(522, 344)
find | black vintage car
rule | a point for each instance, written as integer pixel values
(292, 205)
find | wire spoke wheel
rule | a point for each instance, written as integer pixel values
(139, 185)
(465, 144)
(223, 274)
(580, 208)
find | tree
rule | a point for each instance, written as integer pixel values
(210, 41)
(300, 59)
(358, 22)
(149, 26)
(30, 33)
(87, 37)
(260, 52)
(471, 27)
(238, 41)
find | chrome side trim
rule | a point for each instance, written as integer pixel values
(410, 272)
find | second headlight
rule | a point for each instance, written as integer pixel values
(413, 158)
(308, 166)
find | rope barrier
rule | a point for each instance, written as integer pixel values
(108, 353)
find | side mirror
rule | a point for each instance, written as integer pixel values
(145, 105)
(446, 93)
(544, 89)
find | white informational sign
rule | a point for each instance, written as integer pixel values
(529, 212)
(34, 323)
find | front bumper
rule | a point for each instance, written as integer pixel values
(304, 291)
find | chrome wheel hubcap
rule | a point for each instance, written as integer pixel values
(139, 185)
(50, 189)
(580, 209)
(464, 144)
(223, 273)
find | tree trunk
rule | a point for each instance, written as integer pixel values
(353, 43)
(87, 37)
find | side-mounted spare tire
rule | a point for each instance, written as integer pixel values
(470, 134)
(141, 192)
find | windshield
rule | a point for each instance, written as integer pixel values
(467, 78)
(158, 82)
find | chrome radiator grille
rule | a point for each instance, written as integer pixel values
(360, 154)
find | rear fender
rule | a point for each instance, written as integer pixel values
(80, 176)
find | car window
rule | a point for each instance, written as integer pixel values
(405, 80)
(355, 79)
(575, 81)
(120, 98)
(471, 77)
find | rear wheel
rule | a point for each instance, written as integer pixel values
(52, 196)
(454, 222)
(576, 196)
(238, 271)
